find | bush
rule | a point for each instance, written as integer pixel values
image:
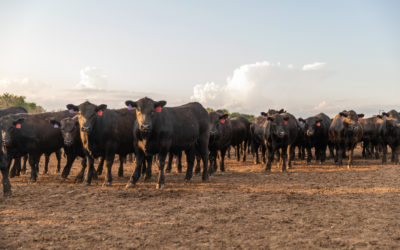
(9, 100)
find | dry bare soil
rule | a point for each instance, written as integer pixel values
(311, 206)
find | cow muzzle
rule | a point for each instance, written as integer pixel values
(85, 129)
(145, 128)
(310, 133)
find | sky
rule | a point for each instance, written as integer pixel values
(246, 56)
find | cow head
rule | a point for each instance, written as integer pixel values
(11, 126)
(351, 120)
(88, 114)
(69, 129)
(278, 125)
(313, 125)
(216, 122)
(147, 111)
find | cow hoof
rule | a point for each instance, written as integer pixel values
(167, 170)
(147, 178)
(107, 184)
(348, 166)
(86, 184)
(179, 170)
(120, 175)
(130, 185)
(7, 193)
(33, 181)
(159, 186)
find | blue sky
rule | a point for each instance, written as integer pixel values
(246, 56)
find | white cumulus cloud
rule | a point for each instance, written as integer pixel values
(313, 66)
(92, 78)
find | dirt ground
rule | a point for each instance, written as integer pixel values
(311, 206)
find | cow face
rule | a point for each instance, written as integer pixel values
(313, 124)
(69, 129)
(11, 127)
(146, 112)
(88, 114)
(216, 122)
(351, 120)
(278, 125)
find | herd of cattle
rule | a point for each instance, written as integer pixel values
(152, 131)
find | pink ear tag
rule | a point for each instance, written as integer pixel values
(359, 118)
(18, 125)
(318, 124)
(285, 122)
(100, 112)
(129, 107)
(55, 125)
(71, 111)
(158, 109)
(222, 121)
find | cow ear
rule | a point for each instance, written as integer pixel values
(19, 120)
(319, 120)
(379, 116)
(263, 114)
(73, 107)
(281, 111)
(286, 118)
(360, 115)
(385, 114)
(101, 107)
(343, 114)
(131, 103)
(55, 122)
(301, 120)
(160, 104)
(224, 116)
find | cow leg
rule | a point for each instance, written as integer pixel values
(130, 158)
(190, 156)
(213, 159)
(109, 162)
(100, 166)
(309, 154)
(255, 154)
(244, 145)
(58, 156)
(291, 155)
(161, 176)
(263, 152)
(25, 157)
(222, 163)
(4, 173)
(270, 159)
(384, 152)
(149, 161)
(198, 159)
(80, 175)
(350, 163)
(32, 163)
(16, 168)
(68, 165)
(323, 153)
(284, 157)
(122, 159)
(90, 166)
(46, 163)
(203, 151)
(237, 150)
(138, 169)
(169, 164)
(179, 160)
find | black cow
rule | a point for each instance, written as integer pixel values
(280, 132)
(345, 132)
(32, 134)
(104, 132)
(17, 160)
(240, 135)
(317, 131)
(372, 141)
(220, 138)
(73, 146)
(390, 131)
(160, 130)
(301, 139)
(257, 131)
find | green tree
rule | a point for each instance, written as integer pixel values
(10, 100)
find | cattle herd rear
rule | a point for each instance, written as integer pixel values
(151, 131)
